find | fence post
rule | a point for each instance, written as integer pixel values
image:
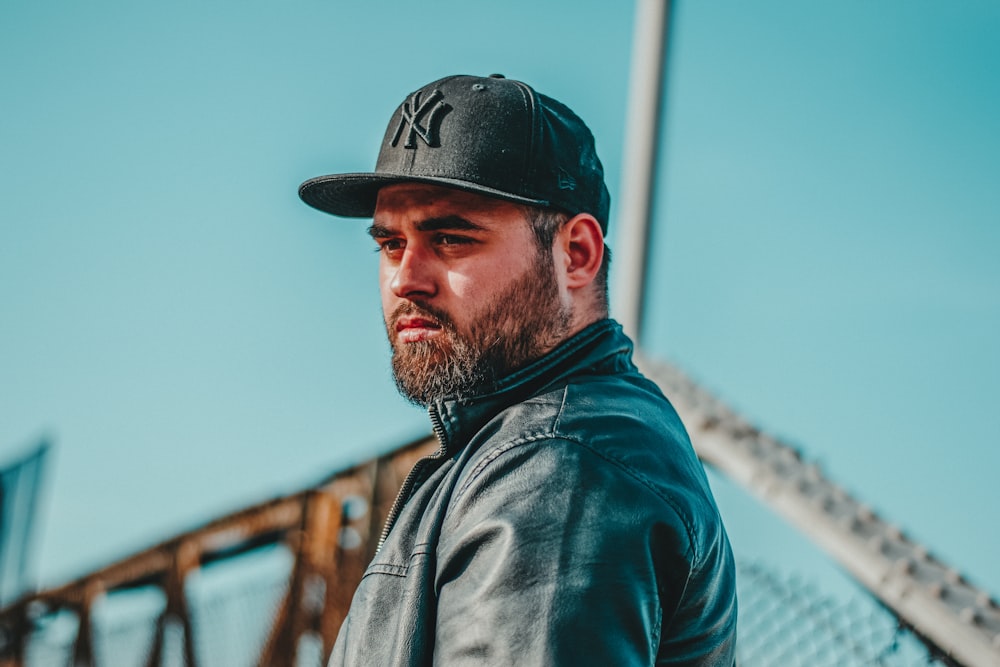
(185, 558)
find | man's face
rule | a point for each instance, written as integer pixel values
(467, 294)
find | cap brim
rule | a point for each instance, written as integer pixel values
(354, 195)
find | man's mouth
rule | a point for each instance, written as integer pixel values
(412, 328)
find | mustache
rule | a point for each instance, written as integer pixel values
(414, 309)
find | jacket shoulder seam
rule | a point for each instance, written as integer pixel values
(505, 447)
(645, 481)
(496, 452)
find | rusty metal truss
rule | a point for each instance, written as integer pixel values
(331, 530)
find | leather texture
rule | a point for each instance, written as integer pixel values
(565, 521)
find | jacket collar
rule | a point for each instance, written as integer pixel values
(601, 347)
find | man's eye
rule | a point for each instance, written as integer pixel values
(451, 239)
(389, 245)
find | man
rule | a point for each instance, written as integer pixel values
(565, 519)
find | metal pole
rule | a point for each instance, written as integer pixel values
(642, 131)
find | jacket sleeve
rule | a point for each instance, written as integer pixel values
(551, 554)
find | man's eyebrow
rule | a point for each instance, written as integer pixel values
(448, 222)
(377, 231)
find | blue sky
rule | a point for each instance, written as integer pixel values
(193, 338)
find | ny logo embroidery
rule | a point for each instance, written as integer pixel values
(423, 119)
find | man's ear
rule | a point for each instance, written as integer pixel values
(582, 242)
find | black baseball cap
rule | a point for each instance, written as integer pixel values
(489, 135)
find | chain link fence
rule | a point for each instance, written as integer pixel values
(785, 620)
(233, 606)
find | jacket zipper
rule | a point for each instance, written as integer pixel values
(407, 487)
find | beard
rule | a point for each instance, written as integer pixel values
(510, 331)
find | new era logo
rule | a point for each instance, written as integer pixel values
(422, 117)
(566, 181)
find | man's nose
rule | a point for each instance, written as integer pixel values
(414, 275)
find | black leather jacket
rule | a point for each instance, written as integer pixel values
(565, 520)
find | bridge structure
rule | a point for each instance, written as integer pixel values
(288, 567)
(269, 586)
